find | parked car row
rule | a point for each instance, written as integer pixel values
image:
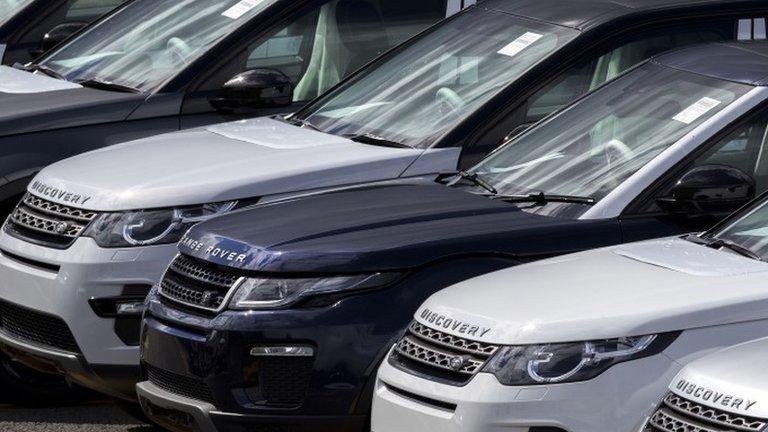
(419, 216)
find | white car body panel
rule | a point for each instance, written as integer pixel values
(736, 371)
(576, 297)
(22, 82)
(715, 298)
(244, 159)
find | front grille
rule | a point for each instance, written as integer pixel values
(44, 222)
(196, 284)
(678, 414)
(28, 325)
(179, 384)
(441, 356)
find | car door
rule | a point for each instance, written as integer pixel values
(316, 48)
(619, 53)
(743, 147)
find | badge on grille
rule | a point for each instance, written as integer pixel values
(457, 363)
(62, 227)
(208, 298)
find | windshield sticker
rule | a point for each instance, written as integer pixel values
(695, 111)
(520, 44)
(241, 8)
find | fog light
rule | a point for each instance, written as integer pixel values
(118, 307)
(132, 308)
(282, 351)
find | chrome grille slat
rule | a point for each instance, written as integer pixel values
(718, 417)
(188, 268)
(59, 210)
(439, 356)
(667, 421)
(678, 414)
(44, 222)
(36, 222)
(196, 285)
(449, 341)
(412, 349)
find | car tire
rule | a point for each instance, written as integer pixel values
(28, 387)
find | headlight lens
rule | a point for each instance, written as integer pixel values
(150, 227)
(569, 362)
(262, 293)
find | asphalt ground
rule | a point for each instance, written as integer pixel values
(95, 416)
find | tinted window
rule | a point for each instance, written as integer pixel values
(319, 48)
(624, 54)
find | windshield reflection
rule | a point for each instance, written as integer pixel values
(589, 149)
(149, 41)
(415, 96)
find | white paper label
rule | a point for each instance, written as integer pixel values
(520, 44)
(241, 8)
(693, 112)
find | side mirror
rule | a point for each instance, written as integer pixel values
(59, 34)
(709, 190)
(254, 89)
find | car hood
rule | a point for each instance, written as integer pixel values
(722, 379)
(379, 228)
(627, 290)
(34, 103)
(245, 159)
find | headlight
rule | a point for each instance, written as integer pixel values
(262, 293)
(149, 227)
(569, 362)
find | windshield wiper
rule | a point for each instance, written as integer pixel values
(475, 179)
(302, 123)
(46, 70)
(368, 138)
(106, 85)
(716, 243)
(542, 198)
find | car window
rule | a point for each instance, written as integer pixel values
(149, 41)
(414, 96)
(592, 147)
(745, 148)
(9, 8)
(622, 55)
(88, 10)
(319, 48)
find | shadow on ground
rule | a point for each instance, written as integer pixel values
(95, 416)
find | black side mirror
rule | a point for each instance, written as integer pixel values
(709, 190)
(254, 89)
(59, 34)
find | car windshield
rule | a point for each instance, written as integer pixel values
(749, 231)
(149, 41)
(590, 148)
(413, 97)
(9, 8)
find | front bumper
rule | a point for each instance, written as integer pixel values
(618, 400)
(201, 361)
(59, 284)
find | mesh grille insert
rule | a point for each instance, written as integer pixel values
(678, 414)
(181, 385)
(440, 356)
(197, 284)
(45, 222)
(28, 325)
